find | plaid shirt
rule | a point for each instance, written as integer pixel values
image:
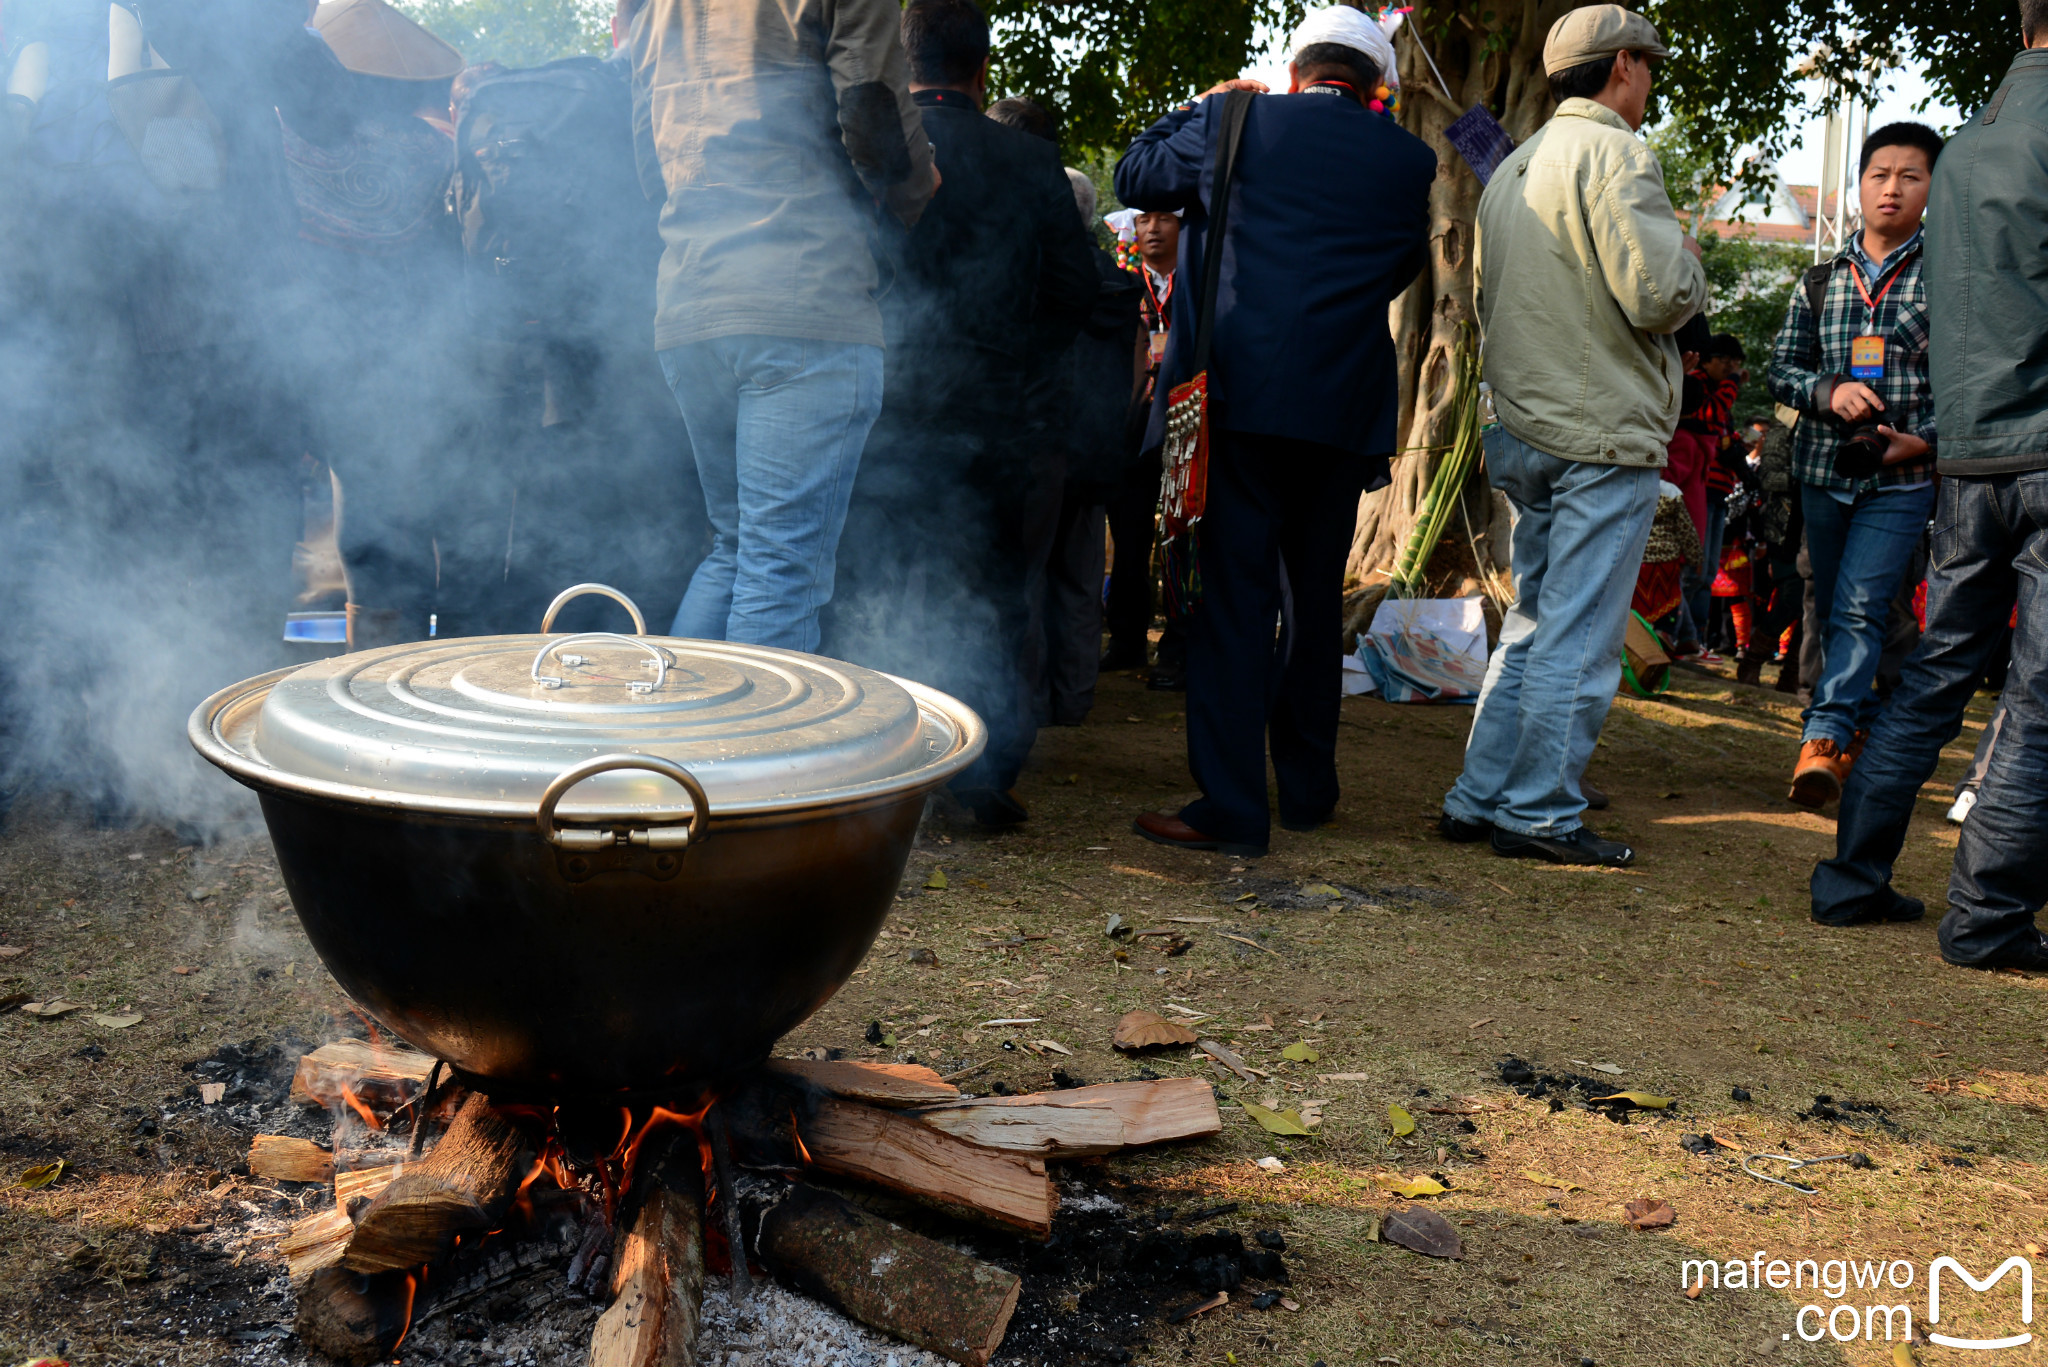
(1809, 361)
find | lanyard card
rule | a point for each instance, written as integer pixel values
(1866, 358)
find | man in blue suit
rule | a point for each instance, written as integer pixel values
(1328, 221)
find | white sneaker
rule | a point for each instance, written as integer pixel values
(1963, 805)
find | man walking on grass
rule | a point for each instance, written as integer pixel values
(1584, 275)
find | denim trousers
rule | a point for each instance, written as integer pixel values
(1697, 582)
(1990, 547)
(1859, 552)
(778, 424)
(1580, 529)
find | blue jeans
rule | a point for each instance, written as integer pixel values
(1859, 552)
(1990, 546)
(1697, 583)
(1578, 544)
(778, 424)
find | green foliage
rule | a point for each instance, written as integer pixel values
(517, 32)
(1752, 284)
(1111, 67)
(1731, 72)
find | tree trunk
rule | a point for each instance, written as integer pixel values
(1498, 64)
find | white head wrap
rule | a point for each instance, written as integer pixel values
(1350, 28)
(1124, 223)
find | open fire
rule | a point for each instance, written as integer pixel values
(439, 1189)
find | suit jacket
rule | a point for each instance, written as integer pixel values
(993, 282)
(1329, 221)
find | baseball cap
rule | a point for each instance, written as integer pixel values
(1585, 35)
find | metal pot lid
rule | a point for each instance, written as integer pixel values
(484, 726)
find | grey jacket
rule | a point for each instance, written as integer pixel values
(1583, 277)
(776, 126)
(1987, 278)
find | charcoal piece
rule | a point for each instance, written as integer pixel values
(1263, 1266)
(1273, 1239)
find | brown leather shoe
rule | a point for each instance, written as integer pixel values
(1162, 829)
(1855, 750)
(1817, 778)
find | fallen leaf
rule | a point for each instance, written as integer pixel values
(1320, 890)
(1402, 1122)
(1647, 1213)
(922, 957)
(1288, 1305)
(1243, 940)
(50, 1010)
(1301, 1051)
(1903, 1354)
(116, 1022)
(183, 971)
(1605, 1068)
(1483, 1020)
(1150, 1030)
(1012, 1020)
(210, 1093)
(1645, 1100)
(1226, 1056)
(937, 882)
(1276, 1122)
(1192, 920)
(1410, 1187)
(40, 1176)
(1423, 1231)
(1554, 1183)
(1343, 1077)
(1980, 1089)
(1054, 1045)
(927, 1020)
(12, 951)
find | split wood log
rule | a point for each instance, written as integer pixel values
(657, 1288)
(284, 1159)
(355, 1320)
(363, 1184)
(382, 1079)
(1043, 1131)
(886, 1277)
(1158, 1112)
(906, 1156)
(464, 1185)
(316, 1242)
(878, 1084)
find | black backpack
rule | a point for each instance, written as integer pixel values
(554, 224)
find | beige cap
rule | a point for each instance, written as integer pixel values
(1584, 35)
(373, 39)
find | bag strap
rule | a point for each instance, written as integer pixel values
(1236, 104)
(1815, 283)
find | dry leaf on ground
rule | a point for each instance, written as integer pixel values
(50, 1010)
(1149, 1030)
(1301, 1051)
(1410, 1187)
(116, 1022)
(1648, 1101)
(10, 951)
(1275, 1122)
(42, 1175)
(1054, 1045)
(1402, 1122)
(1554, 1183)
(210, 1093)
(1648, 1213)
(1423, 1231)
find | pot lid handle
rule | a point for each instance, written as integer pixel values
(658, 837)
(662, 659)
(547, 619)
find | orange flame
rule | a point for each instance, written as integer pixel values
(348, 1094)
(801, 1151)
(412, 1286)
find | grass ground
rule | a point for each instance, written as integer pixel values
(1410, 967)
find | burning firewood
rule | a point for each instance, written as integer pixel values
(464, 1185)
(1084, 1120)
(929, 1165)
(315, 1243)
(878, 1084)
(284, 1159)
(887, 1277)
(657, 1287)
(363, 1184)
(370, 1080)
(355, 1320)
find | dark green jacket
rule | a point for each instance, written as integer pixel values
(1987, 275)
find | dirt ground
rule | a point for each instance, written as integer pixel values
(1411, 968)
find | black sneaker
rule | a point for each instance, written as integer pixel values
(2029, 954)
(1168, 679)
(1887, 906)
(1580, 847)
(1459, 831)
(994, 810)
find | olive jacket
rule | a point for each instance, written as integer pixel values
(1583, 277)
(777, 126)
(1987, 276)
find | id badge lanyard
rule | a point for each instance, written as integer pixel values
(1866, 353)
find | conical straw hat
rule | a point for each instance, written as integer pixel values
(373, 39)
